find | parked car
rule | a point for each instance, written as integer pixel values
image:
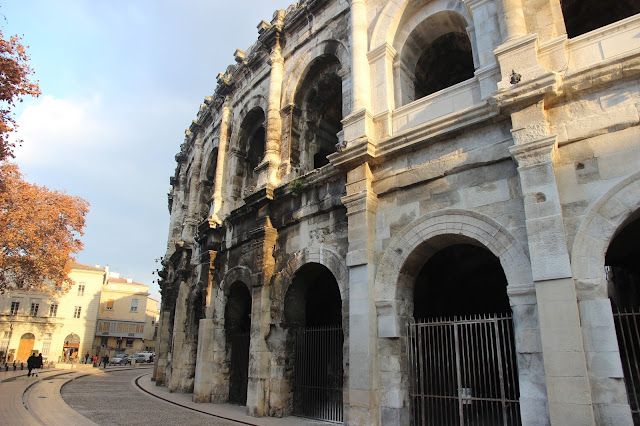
(120, 360)
(143, 357)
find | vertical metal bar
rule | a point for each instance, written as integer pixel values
(421, 374)
(455, 334)
(632, 391)
(500, 372)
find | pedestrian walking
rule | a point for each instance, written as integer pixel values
(95, 360)
(86, 358)
(105, 360)
(31, 363)
(38, 364)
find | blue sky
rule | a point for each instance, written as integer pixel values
(121, 81)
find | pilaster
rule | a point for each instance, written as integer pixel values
(565, 366)
(361, 203)
(216, 209)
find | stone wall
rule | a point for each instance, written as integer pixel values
(534, 158)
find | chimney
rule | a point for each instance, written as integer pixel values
(129, 280)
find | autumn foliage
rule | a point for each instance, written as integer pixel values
(39, 228)
(14, 85)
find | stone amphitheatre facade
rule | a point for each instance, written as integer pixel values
(414, 211)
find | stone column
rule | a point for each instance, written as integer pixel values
(511, 20)
(568, 389)
(191, 221)
(216, 209)
(357, 125)
(163, 349)
(381, 62)
(203, 380)
(274, 121)
(258, 393)
(361, 203)
(486, 28)
(178, 350)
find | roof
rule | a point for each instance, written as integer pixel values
(76, 265)
(123, 281)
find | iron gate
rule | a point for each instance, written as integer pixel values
(239, 371)
(463, 372)
(318, 375)
(627, 325)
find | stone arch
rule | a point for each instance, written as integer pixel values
(598, 228)
(325, 47)
(603, 221)
(324, 256)
(398, 261)
(237, 273)
(399, 17)
(394, 282)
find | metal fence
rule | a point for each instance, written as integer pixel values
(463, 371)
(318, 373)
(239, 369)
(627, 326)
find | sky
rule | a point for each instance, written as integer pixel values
(121, 80)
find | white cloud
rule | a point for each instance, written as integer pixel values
(56, 131)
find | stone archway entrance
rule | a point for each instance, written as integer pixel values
(623, 285)
(462, 358)
(71, 347)
(26, 346)
(238, 334)
(313, 313)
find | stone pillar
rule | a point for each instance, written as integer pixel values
(511, 20)
(163, 349)
(216, 209)
(568, 389)
(358, 124)
(361, 203)
(274, 121)
(258, 396)
(486, 28)
(534, 405)
(381, 62)
(203, 380)
(178, 349)
(191, 221)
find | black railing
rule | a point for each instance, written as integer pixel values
(627, 328)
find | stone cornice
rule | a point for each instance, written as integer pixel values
(381, 51)
(535, 152)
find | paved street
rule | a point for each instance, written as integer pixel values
(115, 396)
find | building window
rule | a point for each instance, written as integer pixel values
(45, 348)
(15, 305)
(58, 288)
(110, 304)
(129, 343)
(76, 312)
(35, 306)
(6, 335)
(80, 289)
(134, 305)
(48, 336)
(53, 310)
(104, 341)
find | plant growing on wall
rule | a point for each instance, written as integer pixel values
(296, 186)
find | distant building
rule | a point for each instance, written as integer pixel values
(123, 324)
(151, 326)
(60, 325)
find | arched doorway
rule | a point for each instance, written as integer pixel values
(71, 347)
(313, 313)
(462, 357)
(623, 285)
(26, 346)
(582, 16)
(237, 326)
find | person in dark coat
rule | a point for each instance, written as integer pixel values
(105, 360)
(31, 363)
(38, 364)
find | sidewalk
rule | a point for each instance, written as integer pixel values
(22, 403)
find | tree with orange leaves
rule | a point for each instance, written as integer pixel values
(14, 85)
(39, 228)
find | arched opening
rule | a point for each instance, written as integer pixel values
(313, 313)
(623, 282)
(237, 325)
(436, 55)
(71, 347)
(252, 139)
(206, 185)
(463, 367)
(317, 114)
(25, 347)
(582, 16)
